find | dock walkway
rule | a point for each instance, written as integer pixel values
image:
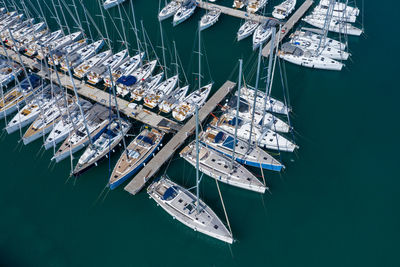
(289, 25)
(139, 181)
(143, 115)
(233, 12)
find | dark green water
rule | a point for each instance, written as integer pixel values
(336, 204)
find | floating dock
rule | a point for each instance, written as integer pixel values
(232, 11)
(139, 181)
(100, 96)
(289, 25)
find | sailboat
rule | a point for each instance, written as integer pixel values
(106, 143)
(254, 156)
(14, 98)
(82, 70)
(98, 72)
(139, 90)
(254, 5)
(284, 9)
(125, 69)
(48, 116)
(173, 99)
(66, 124)
(262, 137)
(247, 29)
(187, 208)
(59, 54)
(304, 34)
(58, 44)
(169, 10)
(138, 152)
(126, 83)
(156, 95)
(96, 122)
(210, 18)
(30, 111)
(187, 107)
(33, 49)
(238, 4)
(262, 33)
(184, 12)
(112, 3)
(298, 56)
(81, 55)
(8, 73)
(335, 25)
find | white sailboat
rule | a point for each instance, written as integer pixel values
(125, 69)
(142, 88)
(82, 70)
(173, 99)
(81, 55)
(284, 9)
(169, 10)
(156, 95)
(298, 56)
(262, 33)
(247, 29)
(255, 5)
(335, 25)
(112, 3)
(184, 12)
(210, 18)
(99, 71)
(305, 35)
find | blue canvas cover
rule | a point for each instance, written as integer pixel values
(127, 80)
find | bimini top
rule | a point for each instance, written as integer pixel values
(127, 80)
(146, 139)
(170, 193)
(291, 49)
(34, 79)
(243, 104)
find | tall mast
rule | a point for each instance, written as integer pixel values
(325, 30)
(123, 29)
(41, 12)
(163, 51)
(57, 18)
(197, 160)
(88, 24)
(199, 57)
(237, 111)
(144, 39)
(119, 117)
(77, 100)
(176, 61)
(63, 15)
(105, 25)
(255, 94)
(271, 54)
(136, 33)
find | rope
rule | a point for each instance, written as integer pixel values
(223, 206)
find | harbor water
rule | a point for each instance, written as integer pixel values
(335, 204)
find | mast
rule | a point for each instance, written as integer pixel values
(237, 112)
(176, 61)
(325, 30)
(144, 39)
(87, 24)
(269, 83)
(136, 33)
(123, 29)
(255, 94)
(105, 25)
(77, 100)
(163, 51)
(197, 160)
(119, 117)
(199, 57)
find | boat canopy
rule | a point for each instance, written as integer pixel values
(291, 49)
(170, 193)
(127, 80)
(229, 142)
(146, 139)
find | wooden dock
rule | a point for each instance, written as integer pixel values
(289, 25)
(139, 181)
(100, 96)
(233, 12)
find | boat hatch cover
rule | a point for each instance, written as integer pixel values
(229, 142)
(170, 193)
(127, 80)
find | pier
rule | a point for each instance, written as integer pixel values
(100, 96)
(289, 24)
(233, 12)
(139, 181)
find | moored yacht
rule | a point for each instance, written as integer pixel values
(138, 152)
(173, 99)
(169, 10)
(156, 95)
(82, 70)
(247, 29)
(142, 88)
(210, 18)
(183, 206)
(184, 12)
(112, 3)
(284, 9)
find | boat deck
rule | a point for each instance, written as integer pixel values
(289, 24)
(139, 181)
(140, 114)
